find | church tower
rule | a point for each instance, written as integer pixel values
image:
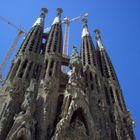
(25, 67)
(41, 102)
(120, 119)
(92, 79)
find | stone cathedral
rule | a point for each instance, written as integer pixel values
(38, 101)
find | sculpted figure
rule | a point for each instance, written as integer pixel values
(75, 64)
(24, 123)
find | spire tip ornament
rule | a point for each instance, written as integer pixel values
(84, 20)
(40, 19)
(98, 39)
(44, 10)
(59, 11)
(85, 27)
(57, 19)
(97, 33)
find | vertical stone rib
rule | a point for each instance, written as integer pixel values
(29, 44)
(14, 69)
(54, 44)
(106, 66)
(87, 49)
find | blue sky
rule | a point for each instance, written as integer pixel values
(118, 20)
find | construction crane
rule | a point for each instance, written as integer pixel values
(67, 22)
(12, 48)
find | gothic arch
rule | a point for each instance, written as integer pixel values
(82, 107)
(78, 108)
(79, 115)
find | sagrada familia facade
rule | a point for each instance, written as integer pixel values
(39, 101)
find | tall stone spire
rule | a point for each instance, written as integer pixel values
(30, 43)
(40, 20)
(54, 43)
(120, 119)
(87, 49)
(91, 77)
(58, 17)
(85, 31)
(51, 81)
(107, 68)
(26, 65)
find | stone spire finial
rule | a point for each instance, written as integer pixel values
(75, 65)
(97, 34)
(85, 31)
(59, 11)
(40, 20)
(57, 18)
(84, 20)
(98, 39)
(74, 52)
(43, 12)
(75, 59)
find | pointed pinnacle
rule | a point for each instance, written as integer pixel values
(84, 20)
(98, 38)
(85, 31)
(59, 11)
(40, 19)
(97, 33)
(43, 12)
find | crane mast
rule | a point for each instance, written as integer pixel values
(66, 40)
(10, 52)
(67, 22)
(12, 48)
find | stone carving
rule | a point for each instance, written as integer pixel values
(75, 77)
(75, 64)
(24, 123)
(75, 98)
(8, 108)
(129, 119)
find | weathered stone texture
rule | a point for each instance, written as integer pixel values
(2, 101)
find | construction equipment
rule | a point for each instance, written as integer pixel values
(67, 22)
(12, 48)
